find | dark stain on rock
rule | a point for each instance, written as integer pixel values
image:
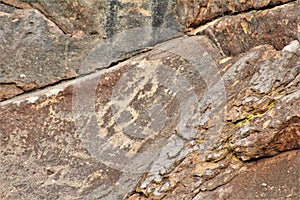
(111, 20)
(158, 12)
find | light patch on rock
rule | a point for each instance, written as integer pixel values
(293, 47)
(53, 92)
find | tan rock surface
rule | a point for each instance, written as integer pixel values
(262, 119)
(277, 26)
(269, 178)
(44, 42)
(199, 12)
(130, 108)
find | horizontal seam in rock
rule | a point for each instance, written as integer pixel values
(115, 63)
(247, 161)
(120, 60)
(192, 30)
(228, 13)
(66, 80)
(225, 183)
(28, 92)
(266, 157)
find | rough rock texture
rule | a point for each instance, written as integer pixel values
(53, 145)
(194, 13)
(56, 145)
(46, 42)
(270, 178)
(34, 52)
(101, 17)
(129, 112)
(262, 119)
(237, 34)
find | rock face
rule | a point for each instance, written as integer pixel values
(130, 108)
(237, 34)
(260, 121)
(270, 178)
(103, 18)
(195, 13)
(47, 61)
(45, 42)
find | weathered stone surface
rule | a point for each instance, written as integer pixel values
(71, 150)
(262, 91)
(270, 178)
(237, 34)
(60, 152)
(45, 42)
(176, 121)
(103, 18)
(195, 13)
(34, 52)
(55, 56)
(9, 90)
(272, 92)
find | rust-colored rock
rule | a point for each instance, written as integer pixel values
(44, 42)
(65, 136)
(262, 101)
(9, 90)
(195, 13)
(270, 178)
(237, 34)
(60, 152)
(191, 118)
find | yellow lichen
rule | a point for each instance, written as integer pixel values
(247, 119)
(199, 140)
(265, 108)
(245, 27)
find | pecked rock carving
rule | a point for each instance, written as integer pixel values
(129, 107)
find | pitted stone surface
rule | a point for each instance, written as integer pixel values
(198, 12)
(61, 144)
(177, 121)
(269, 178)
(44, 42)
(262, 90)
(239, 33)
